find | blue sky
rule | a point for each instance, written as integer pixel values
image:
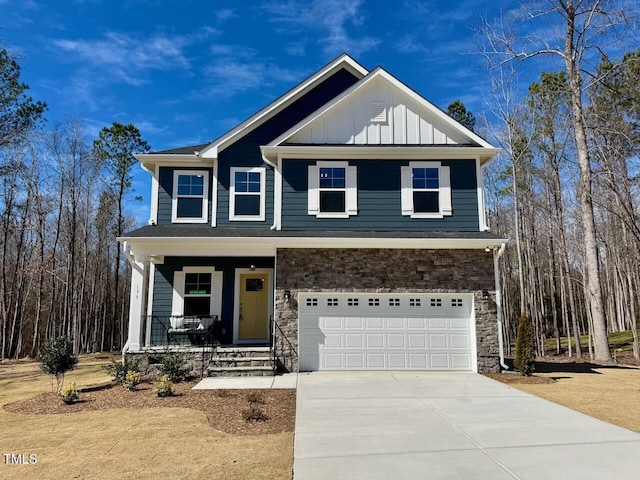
(186, 71)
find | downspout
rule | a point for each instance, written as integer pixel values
(275, 192)
(496, 256)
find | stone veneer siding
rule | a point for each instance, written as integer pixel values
(385, 271)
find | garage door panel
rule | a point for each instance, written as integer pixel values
(375, 360)
(353, 340)
(332, 340)
(354, 361)
(418, 361)
(374, 340)
(374, 322)
(417, 323)
(437, 323)
(439, 361)
(327, 322)
(393, 322)
(417, 340)
(437, 340)
(460, 362)
(459, 341)
(396, 340)
(354, 322)
(386, 331)
(396, 361)
(458, 324)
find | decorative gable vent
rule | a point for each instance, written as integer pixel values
(378, 112)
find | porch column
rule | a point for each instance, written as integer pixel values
(137, 299)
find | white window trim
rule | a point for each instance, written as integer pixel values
(351, 190)
(444, 189)
(205, 197)
(177, 304)
(232, 194)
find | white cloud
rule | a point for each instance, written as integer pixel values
(332, 18)
(230, 76)
(225, 14)
(125, 57)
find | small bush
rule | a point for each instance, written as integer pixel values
(132, 380)
(56, 358)
(525, 356)
(164, 388)
(254, 414)
(255, 397)
(69, 394)
(118, 370)
(174, 365)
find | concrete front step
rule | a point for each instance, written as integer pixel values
(240, 371)
(241, 361)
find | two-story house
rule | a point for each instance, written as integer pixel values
(342, 226)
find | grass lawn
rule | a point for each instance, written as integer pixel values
(126, 443)
(611, 394)
(618, 341)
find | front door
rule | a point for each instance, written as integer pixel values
(253, 308)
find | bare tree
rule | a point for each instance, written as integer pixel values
(574, 30)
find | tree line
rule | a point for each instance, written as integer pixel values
(565, 188)
(62, 204)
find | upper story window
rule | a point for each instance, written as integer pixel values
(247, 194)
(190, 194)
(426, 190)
(333, 191)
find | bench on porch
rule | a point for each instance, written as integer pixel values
(201, 330)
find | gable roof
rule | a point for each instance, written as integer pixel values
(344, 61)
(430, 125)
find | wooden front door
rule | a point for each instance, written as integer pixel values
(253, 311)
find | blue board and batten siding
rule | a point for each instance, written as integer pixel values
(379, 200)
(163, 285)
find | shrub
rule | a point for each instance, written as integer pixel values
(174, 365)
(69, 394)
(164, 388)
(118, 370)
(132, 380)
(255, 397)
(525, 356)
(56, 358)
(254, 414)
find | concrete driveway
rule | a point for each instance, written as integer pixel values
(391, 425)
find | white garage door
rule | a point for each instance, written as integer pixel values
(365, 331)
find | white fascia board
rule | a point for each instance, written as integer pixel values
(394, 152)
(260, 117)
(380, 72)
(149, 161)
(266, 246)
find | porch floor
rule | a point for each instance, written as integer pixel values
(286, 381)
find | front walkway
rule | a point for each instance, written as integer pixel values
(383, 425)
(288, 381)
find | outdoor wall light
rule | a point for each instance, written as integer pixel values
(252, 267)
(287, 295)
(485, 294)
(487, 249)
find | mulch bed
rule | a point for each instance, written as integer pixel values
(515, 378)
(225, 409)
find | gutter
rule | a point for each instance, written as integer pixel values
(496, 256)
